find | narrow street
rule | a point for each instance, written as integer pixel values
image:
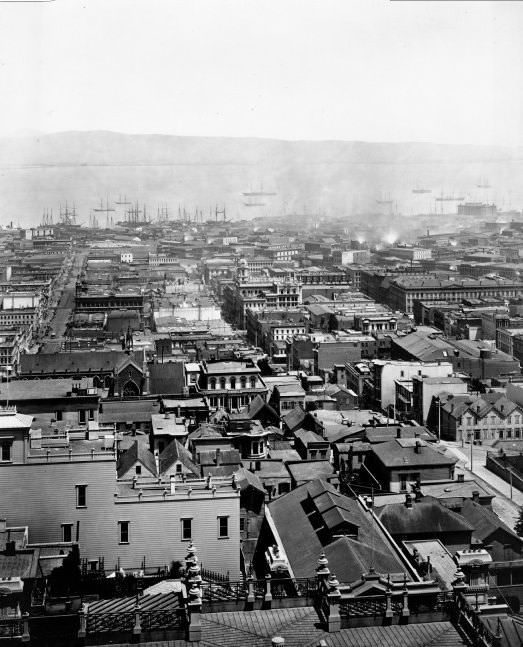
(507, 503)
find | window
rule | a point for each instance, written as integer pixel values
(138, 470)
(91, 414)
(403, 484)
(243, 381)
(222, 383)
(81, 416)
(5, 450)
(178, 468)
(233, 382)
(123, 532)
(67, 532)
(253, 382)
(212, 383)
(223, 527)
(186, 529)
(242, 524)
(58, 415)
(81, 496)
(283, 488)
(313, 453)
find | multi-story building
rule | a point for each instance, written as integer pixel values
(386, 372)
(400, 291)
(258, 294)
(231, 384)
(76, 489)
(484, 417)
(424, 389)
(350, 256)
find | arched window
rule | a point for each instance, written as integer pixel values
(96, 382)
(212, 382)
(223, 385)
(243, 381)
(233, 382)
(130, 388)
(253, 381)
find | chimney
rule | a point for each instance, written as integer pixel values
(166, 415)
(157, 461)
(178, 410)
(417, 447)
(10, 548)
(408, 501)
(398, 432)
(475, 496)
(218, 456)
(173, 484)
(3, 525)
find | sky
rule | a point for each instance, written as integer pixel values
(372, 70)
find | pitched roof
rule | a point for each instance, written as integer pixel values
(484, 521)
(307, 436)
(300, 628)
(294, 418)
(137, 452)
(245, 478)
(174, 452)
(206, 430)
(401, 452)
(423, 516)
(81, 362)
(303, 543)
(167, 378)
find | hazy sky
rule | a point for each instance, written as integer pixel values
(297, 69)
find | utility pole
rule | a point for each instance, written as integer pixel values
(439, 419)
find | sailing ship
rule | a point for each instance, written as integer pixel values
(483, 183)
(120, 201)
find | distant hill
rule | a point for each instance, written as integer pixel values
(334, 177)
(101, 147)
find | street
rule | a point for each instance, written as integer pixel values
(506, 508)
